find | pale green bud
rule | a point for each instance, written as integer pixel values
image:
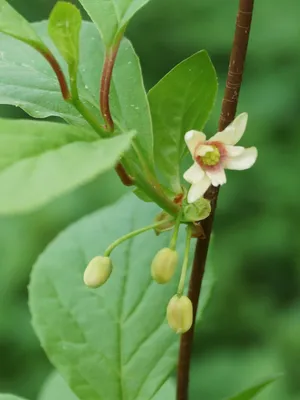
(163, 265)
(180, 313)
(97, 272)
(197, 211)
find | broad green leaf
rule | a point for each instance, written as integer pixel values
(64, 29)
(113, 342)
(142, 195)
(55, 388)
(251, 393)
(13, 24)
(167, 392)
(21, 139)
(35, 169)
(27, 81)
(10, 397)
(181, 101)
(112, 16)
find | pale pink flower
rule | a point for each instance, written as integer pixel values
(212, 156)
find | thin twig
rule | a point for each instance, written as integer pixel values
(229, 106)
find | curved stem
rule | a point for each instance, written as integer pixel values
(229, 105)
(45, 52)
(175, 232)
(154, 191)
(90, 118)
(109, 62)
(185, 261)
(147, 183)
(130, 235)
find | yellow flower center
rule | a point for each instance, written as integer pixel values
(211, 157)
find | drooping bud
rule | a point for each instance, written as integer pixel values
(180, 313)
(164, 264)
(97, 272)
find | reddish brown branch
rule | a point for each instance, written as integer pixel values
(106, 77)
(229, 106)
(109, 63)
(125, 178)
(58, 71)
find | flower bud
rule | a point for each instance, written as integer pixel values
(97, 272)
(163, 265)
(180, 313)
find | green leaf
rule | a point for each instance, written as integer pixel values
(56, 388)
(39, 161)
(251, 393)
(114, 342)
(142, 195)
(13, 24)
(64, 29)
(167, 392)
(181, 101)
(27, 81)
(111, 16)
(21, 139)
(10, 397)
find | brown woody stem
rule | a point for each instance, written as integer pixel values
(229, 106)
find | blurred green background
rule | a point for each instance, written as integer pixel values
(252, 327)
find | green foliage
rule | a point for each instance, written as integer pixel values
(10, 397)
(56, 388)
(27, 81)
(128, 101)
(113, 342)
(42, 160)
(179, 102)
(13, 24)
(252, 392)
(142, 196)
(256, 253)
(64, 29)
(111, 17)
(22, 139)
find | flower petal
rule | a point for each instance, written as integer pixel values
(234, 131)
(192, 139)
(194, 174)
(243, 161)
(234, 151)
(203, 149)
(217, 177)
(198, 189)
